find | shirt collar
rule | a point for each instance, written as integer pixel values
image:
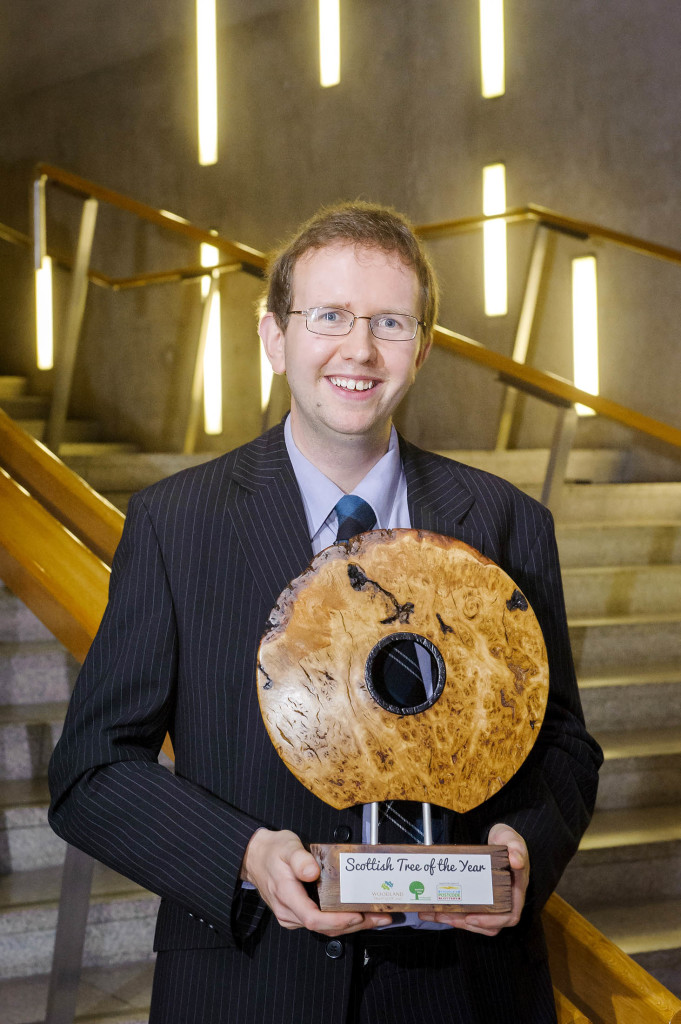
(379, 486)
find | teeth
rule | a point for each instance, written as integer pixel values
(352, 385)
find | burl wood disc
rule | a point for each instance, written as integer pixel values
(312, 683)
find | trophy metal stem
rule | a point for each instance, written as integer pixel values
(373, 824)
(427, 825)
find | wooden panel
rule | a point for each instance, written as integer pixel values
(598, 977)
(314, 679)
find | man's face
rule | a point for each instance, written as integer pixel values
(350, 385)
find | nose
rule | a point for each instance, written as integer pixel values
(360, 343)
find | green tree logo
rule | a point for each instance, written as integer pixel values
(417, 888)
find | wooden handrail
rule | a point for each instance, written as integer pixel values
(601, 980)
(553, 388)
(163, 218)
(53, 572)
(570, 225)
(61, 491)
(545, 385)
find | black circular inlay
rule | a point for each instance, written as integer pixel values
(395, 681)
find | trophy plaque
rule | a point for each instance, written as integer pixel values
(325, 692)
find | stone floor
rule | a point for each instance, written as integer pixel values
(113, 995)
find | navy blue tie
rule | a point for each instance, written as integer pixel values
(355, 515)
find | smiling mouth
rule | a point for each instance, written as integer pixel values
(348, 384)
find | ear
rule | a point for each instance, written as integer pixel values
(273, 340)
(423, 352)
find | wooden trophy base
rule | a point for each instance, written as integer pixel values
(449, 879)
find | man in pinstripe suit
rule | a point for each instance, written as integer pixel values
(204, 556)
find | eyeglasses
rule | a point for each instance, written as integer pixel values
(334, 321)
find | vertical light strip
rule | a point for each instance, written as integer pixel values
(43, 315)
(494, 240)
(207, 80)
(492, 56)
(212, 356)
(329, 42)
(585, 327)
(266, 378)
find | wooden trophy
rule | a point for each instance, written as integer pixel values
(328, 707)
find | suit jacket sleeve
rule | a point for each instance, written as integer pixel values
(110, 797)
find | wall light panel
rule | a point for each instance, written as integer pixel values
(494, 240)
(585, 327)
(44, 315)
(207, 81)
(492, 50)
(329, 42)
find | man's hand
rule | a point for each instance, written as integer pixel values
(491, 924)
(277, 864)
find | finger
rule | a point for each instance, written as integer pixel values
(303, 864)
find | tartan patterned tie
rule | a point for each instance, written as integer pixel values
(355, 515)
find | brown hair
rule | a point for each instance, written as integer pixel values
(363, 225)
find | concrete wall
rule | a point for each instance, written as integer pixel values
(588, 126)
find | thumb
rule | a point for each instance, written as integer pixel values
(304, 866)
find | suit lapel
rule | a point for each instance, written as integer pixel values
(438, 499)
(269, 516)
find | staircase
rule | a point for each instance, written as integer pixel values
(621, 553)
(30, 411)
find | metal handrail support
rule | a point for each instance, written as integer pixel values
(69, 942)
(194, 414)
(74, 318)
(561, 446)
(533, 281)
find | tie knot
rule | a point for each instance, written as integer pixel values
(355, 515)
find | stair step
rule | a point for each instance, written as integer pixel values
(12, 387)
(17, 623)
(26, 407)
(106, 995)
(642, 928)
(622, 590)
(652, 697)
(120, 929)
(28, 734)
(625, 827)
(639, 502)
(620, 743)
(117, 472)
(641, 768)
(94, 449)
(625, 643)
(611, 543)
(32, 673)
(628, 874)
(74, 430)
(526, 466)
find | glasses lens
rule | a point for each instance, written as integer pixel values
(394, 326)
(329, 320)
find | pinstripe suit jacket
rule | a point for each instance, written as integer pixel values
(203, 558)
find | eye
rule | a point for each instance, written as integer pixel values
(390, 322)
(329, 316)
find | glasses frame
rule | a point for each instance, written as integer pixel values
(337, 334)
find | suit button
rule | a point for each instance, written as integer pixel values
(342, 833)
(335, 949)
